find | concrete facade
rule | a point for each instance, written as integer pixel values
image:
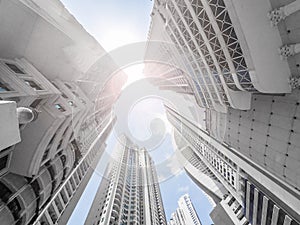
(239, 59)
(34, 171)
(256, 196)
(57, 123)
(219, 47)
(247, 150)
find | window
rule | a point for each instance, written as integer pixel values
(58, 204)
(75, 94)
(5, 193)
(15, 68)
(63, 95)
(46, 154)
(59, 107)
(33, 85)
(36, 187)
(269, 212)
(3, 162)
(52, 214)
(15, 208)
(281, 217)
(63, 159)
(35, 103)
(64, 197)
(4, 87)
(68, 85)
(231, 201)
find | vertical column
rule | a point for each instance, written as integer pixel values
(275, 215)
(48, 217)
(255, 202)
(248, 200)
(264, 210)
(287, 220)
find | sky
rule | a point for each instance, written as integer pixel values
(171, 189)
(115, 23)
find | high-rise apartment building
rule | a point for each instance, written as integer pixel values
(245, 155)
(54, 119)
(217, 43)
(253, 194)
(213, 45)
(61, 140)
(185, 214)
(129, 191)
(240, 60)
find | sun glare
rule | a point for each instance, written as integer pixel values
(115, 38)
(134, 73)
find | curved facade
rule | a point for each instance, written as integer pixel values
(218, 58)
(46, 163)
(43, 185)
(19, 197)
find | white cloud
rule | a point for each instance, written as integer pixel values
(184, 189)
(168, 169)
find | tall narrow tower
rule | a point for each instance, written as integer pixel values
(185, 214)
(129, 192)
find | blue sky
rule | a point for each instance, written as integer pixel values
(115, 23)
(171, 189)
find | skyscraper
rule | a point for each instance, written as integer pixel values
(56, 103)
(185, 214)
(253, 195)
(129, 191)
(245, 155)
(40, 175)
(53, 127)
(221, 59)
